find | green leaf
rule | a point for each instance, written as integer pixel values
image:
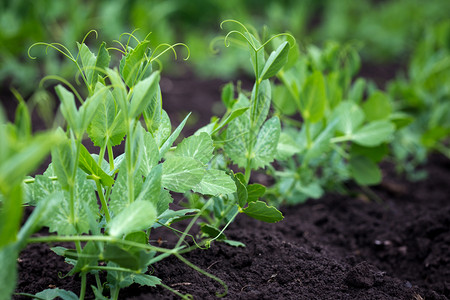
(11, 215)
(63, 162)
(277, 59)
(87, 163)
(283, 101)
(374, 133)
(8, 271)
(266, 143)
(119, 196)
(168, 143)
(88, 111)
(150, 153)
(350, 117)
(88, 61)
(257, 58)
(376, 154)
(321, 144)
(139, 237)
(233, 115)
(122, 258)
(89, 257)
(212, 232)
(180, 174)
(313, 98)
(50, 294)
(44, 210)
(377, 107)
(255, 191)
(287, 147)
(153, 112)
(170, 216)
(234, 243)
(120, 91)
(364, 170)
(144, 279)
(238, 140)
(260, 211)
(241, 189)
(215, 182)
(143, 93)
(163, 132)
(102, 62)
(260, 104)
(108, 123)
(227, 95)
(139, 215)
(133, 62)
(68, 107)
(152, 186)
(84, 199)
(22, 118)
(199, 147)
(356, 92)
(16, 165)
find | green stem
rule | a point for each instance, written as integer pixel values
(116, 293)
(340, 139)
(130, 181)
(188, 228)
(225, 227)
(110, 157)
(103, 201)
(83, 286)
(223, 216)
(308, 134)
(32, 180)
(188, 263)
(106, 268)
(101, 155)
(186, 297)
(72, 183)
(98, 238)
(99, 283)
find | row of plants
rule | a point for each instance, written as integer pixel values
(384, 30)
(311, 130)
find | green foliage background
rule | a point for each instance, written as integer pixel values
(387, 30)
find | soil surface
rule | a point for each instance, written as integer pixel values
(339, 247)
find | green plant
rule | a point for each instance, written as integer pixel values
(108, 208)
(424, 95)
(245, 136)
(339, 137)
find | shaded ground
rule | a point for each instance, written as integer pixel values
(336, 248)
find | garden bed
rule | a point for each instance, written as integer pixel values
(338, 247)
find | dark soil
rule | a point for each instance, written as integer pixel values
(340, 247)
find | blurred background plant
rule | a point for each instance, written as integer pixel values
(388, 30)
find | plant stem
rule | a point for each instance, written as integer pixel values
(185, 233)
(99, 283)
(101, 155)
(175, 291)
(98, 238)
(223, 216)
(116, 293)
(103, 201)
(201, 271)
(308, 134)
(83, 286)
(225, 227)
(110, 157)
